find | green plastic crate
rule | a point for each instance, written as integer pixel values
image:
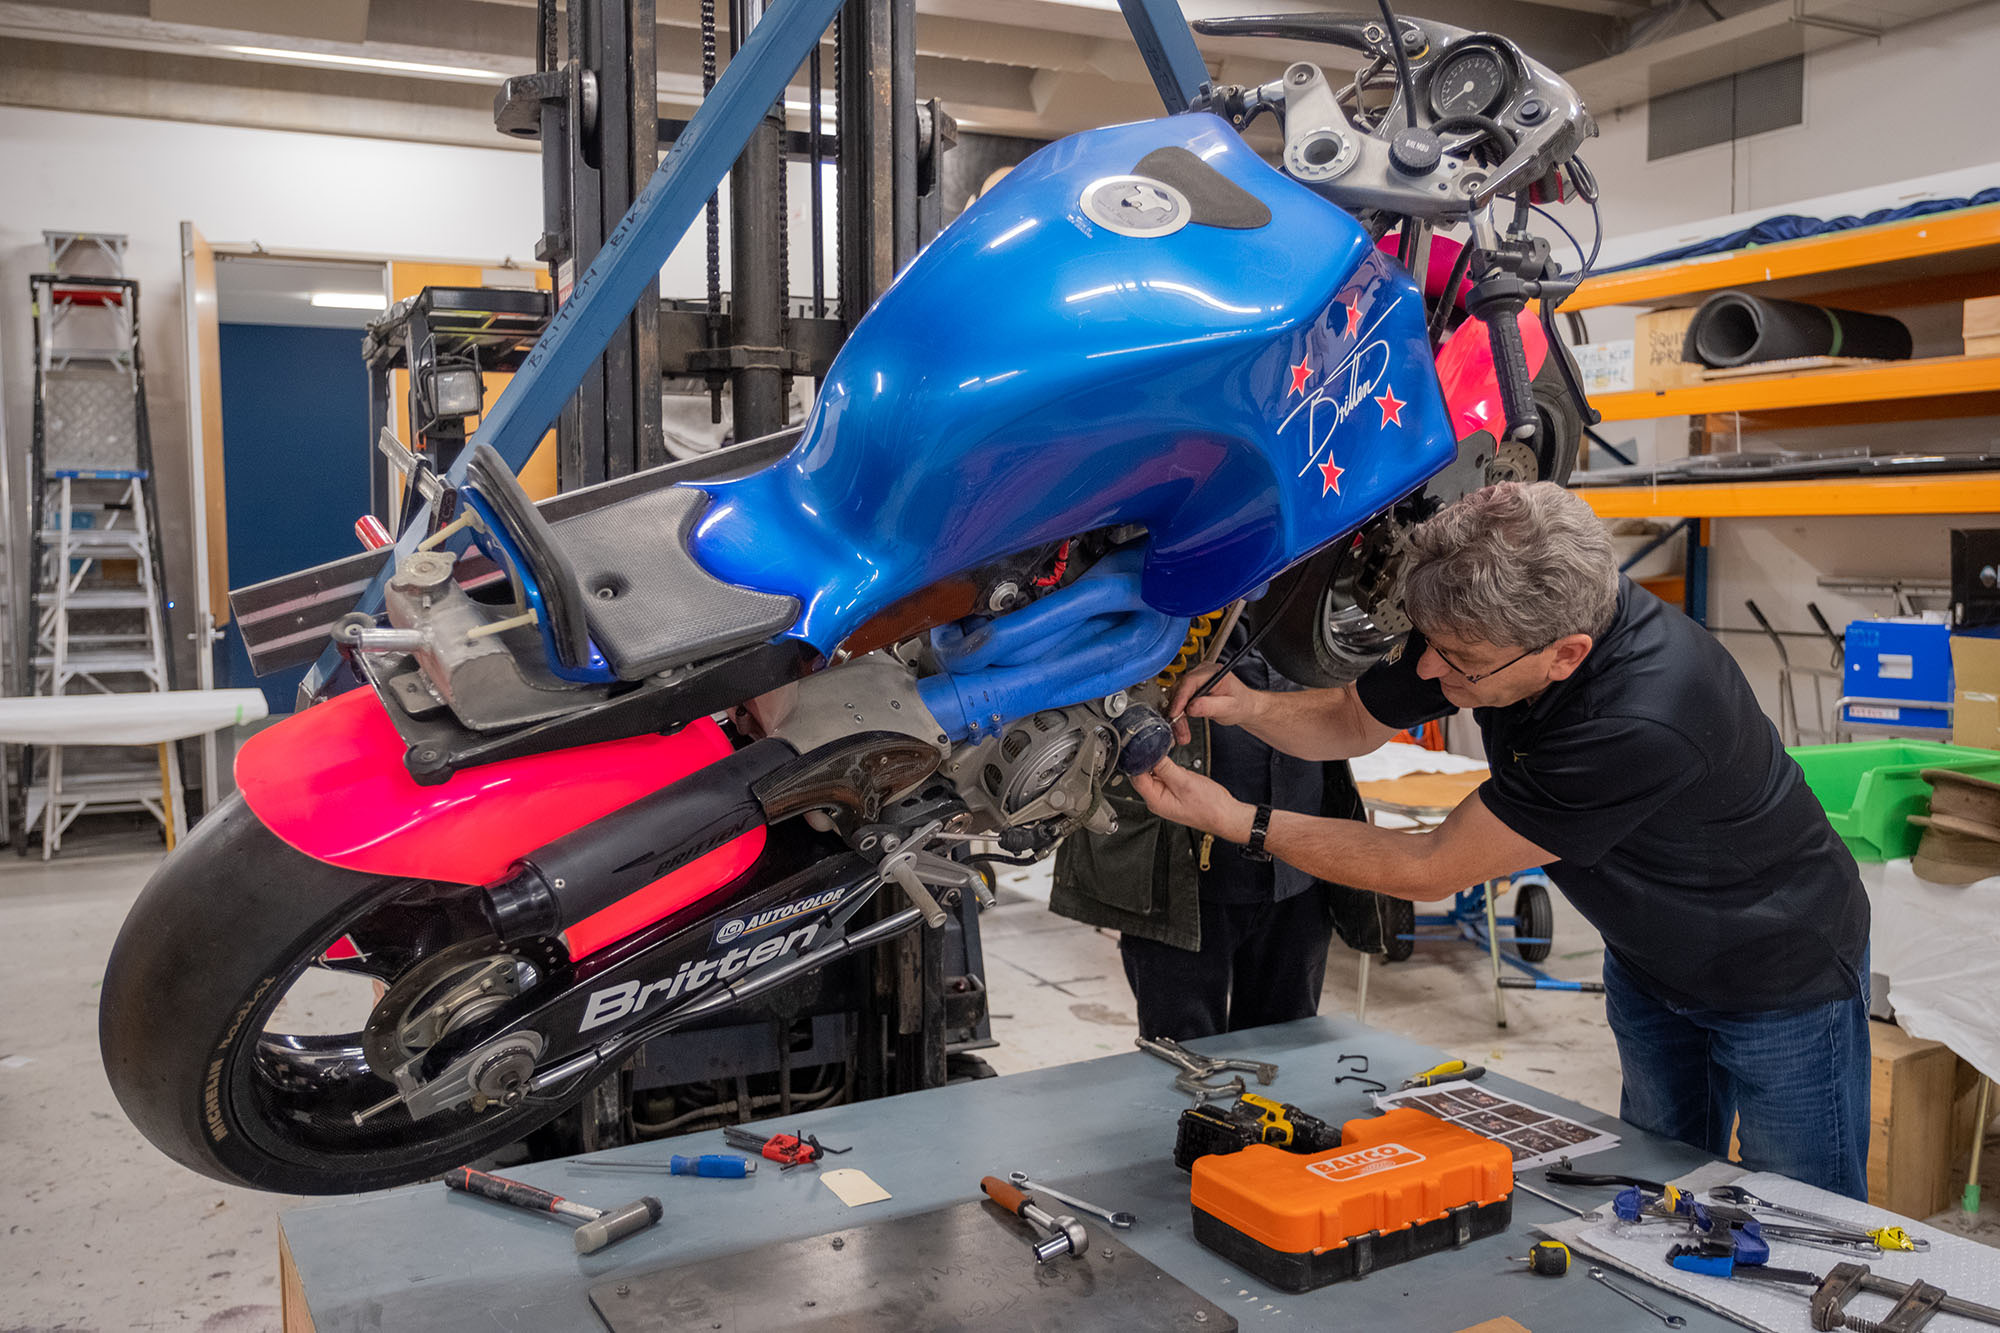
(1869, 790)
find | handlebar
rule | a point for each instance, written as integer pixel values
(1357, 32)
(1510, 358)
(1425, 156)
(1498, 297)
(1420, 158)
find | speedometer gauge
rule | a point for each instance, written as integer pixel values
(1470, 82)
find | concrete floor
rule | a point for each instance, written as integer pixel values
(104, 1233)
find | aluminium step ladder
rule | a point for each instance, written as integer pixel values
(96, 610)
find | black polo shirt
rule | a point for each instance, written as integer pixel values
(1684, 831)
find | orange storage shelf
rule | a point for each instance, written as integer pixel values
(1931, 377)
(1874, 260)
(1933, 493)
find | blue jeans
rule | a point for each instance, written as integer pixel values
(1797, 1077)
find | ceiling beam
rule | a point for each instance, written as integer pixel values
(110, 81)
(51, 23)
(332, 20)
(1759, 36)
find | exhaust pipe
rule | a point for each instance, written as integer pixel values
(579, 874)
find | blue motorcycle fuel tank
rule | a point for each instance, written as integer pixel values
(1141, 324)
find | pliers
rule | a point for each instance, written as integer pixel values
(1197, 1069)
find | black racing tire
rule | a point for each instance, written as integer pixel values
(215, 940)
(1560, 430)
(1399, 919)
(1534, 919)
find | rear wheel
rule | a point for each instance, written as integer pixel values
(243, 1034)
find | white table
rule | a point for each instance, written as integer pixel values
(156, 719)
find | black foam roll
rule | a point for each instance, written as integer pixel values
(1736, 328)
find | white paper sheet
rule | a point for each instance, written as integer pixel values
(1533, 1135)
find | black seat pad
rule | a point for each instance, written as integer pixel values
(650, 606)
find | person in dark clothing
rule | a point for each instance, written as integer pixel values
(1631, 759)
(1246, 943)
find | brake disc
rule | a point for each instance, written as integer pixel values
(1513, 461)
(447, 992)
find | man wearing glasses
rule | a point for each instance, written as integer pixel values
(1630, 758)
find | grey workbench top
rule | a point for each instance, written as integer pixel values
(422, 1257)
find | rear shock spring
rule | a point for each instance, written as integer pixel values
(1192, 647)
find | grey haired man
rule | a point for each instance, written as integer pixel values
(1631, 759)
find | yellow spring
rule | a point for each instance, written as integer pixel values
(1199, 630)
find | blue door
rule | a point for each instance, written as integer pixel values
(295, 465)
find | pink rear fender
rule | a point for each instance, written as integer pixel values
(1471, 385)
(331, 783)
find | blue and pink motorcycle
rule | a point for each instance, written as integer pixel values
(629, 757)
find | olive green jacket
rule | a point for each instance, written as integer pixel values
(1144, 879)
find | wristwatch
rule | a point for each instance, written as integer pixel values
(1261, 825)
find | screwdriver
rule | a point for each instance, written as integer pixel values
(722, 1166)
(1448, 1072)
(1546, 1258)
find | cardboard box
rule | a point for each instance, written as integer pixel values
(1982, 318)
(1911, 1145)
(1658, 338)
(1975, 711)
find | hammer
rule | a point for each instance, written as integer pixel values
(1067, 1234)
(599, 1228)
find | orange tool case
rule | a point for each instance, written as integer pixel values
(1400, 1185)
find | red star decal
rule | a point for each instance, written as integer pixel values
(1392, 407)
(1300, 373)
(1331, 473)
(1353, 319)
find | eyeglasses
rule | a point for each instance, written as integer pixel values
(1471, 679)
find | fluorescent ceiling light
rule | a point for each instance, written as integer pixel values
(330, 58)
(350, 300)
